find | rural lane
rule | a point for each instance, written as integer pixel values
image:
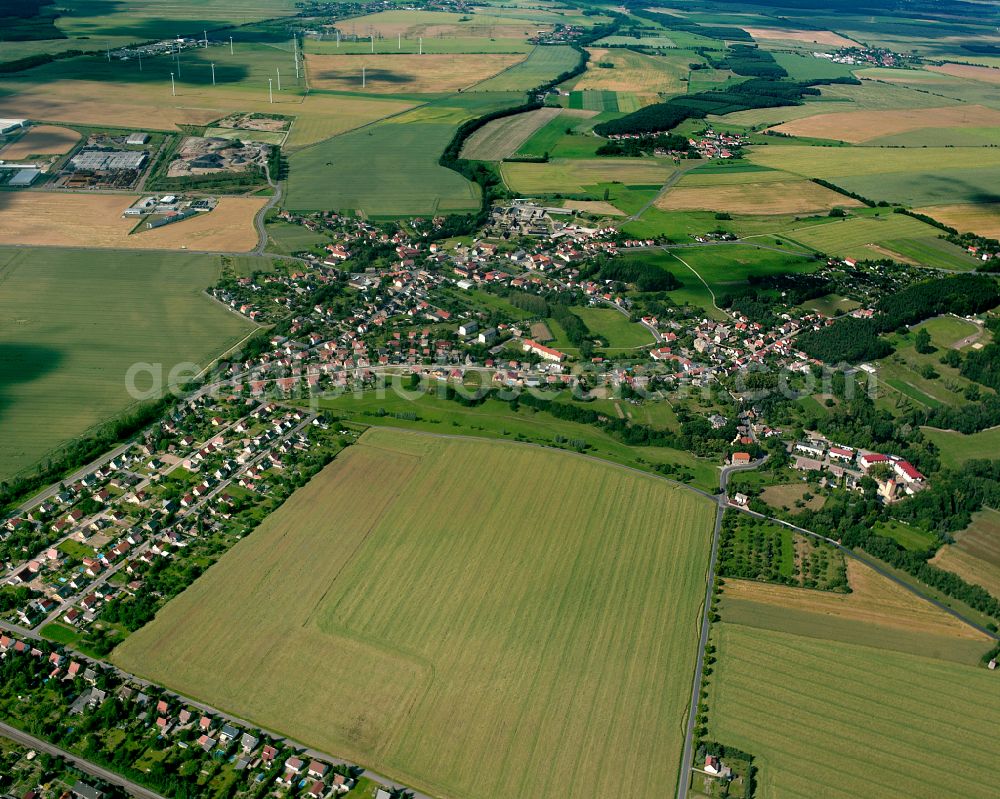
(258, 219)
(85, 766)
(667, 186)
(722, 500)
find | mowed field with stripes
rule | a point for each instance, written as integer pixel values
(477, 619)
(833, 719)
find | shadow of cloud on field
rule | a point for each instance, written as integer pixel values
(125, 23)
(23, 363)
(371, 75)
(969, 192)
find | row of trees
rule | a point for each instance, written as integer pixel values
(754, 93)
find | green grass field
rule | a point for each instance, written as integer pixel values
(285, 238)
(915, 176)
(542, 64)
(71, 325)
(494, 419)
(470, 627)
(430, 45)
(616, 328)
(808, 67)
(142, 21)
(957, 448)
(728, 266)
(909, 537)
(840, 236)
(390, 169)
(574, 176)
(834, 162)
(594, 100)
(553, 139)
(832, 719)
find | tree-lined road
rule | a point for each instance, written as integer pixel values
(85, 766)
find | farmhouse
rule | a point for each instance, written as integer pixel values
(715, 767)
(870, 459)
(907, 472)
(547, 353)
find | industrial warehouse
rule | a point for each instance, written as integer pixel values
(108, 160)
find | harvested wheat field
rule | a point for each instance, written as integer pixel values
(980, 218)
(473, 637)
(594, 207)
(41, 140)
(840, 721)
(411, 24)
(861, 126)
(975, 555)
(317, 116)
(986, 74)
(875, 600)
(95, 220)
(97, 103)
(819, 37)
(764, 199)
(632, 72)
(501, 138)
(406, 73)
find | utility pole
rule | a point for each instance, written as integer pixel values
(270, 94)
(173, 88)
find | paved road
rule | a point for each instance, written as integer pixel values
(85, 766)
(53, 489)
(667, 186)
(258, 220)
(687, 755)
